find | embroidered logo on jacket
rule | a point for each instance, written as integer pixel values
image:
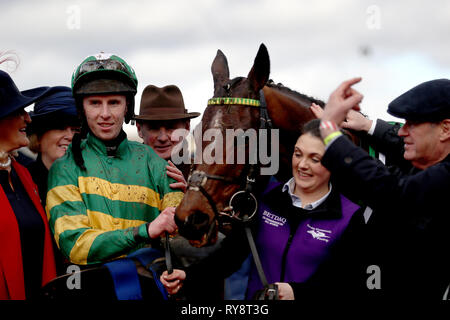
(273, 219)
(319, 234)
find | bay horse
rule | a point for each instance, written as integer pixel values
(211, 186)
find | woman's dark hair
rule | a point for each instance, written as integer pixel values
(313, 128)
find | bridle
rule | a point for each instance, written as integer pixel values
(243, 204)
(244, 199)
(198, 179)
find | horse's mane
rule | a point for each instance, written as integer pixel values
(299, 95)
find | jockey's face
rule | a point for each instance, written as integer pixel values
(105, 115)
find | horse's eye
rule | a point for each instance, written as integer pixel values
(227, 87)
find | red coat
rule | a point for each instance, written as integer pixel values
(11, 269)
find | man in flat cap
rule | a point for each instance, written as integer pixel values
(414, 206)
(162, 112)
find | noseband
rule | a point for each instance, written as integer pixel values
(241, 198)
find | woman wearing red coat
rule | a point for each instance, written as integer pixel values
(26, 253)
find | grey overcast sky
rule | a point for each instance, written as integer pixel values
(313, 45)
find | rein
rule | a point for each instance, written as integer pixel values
(167, 255)
(242, 200)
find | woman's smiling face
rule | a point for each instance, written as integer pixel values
(309, 173)
(13, 130)
(54, 143)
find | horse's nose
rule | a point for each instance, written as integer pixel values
(194, 226)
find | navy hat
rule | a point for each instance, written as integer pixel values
(55, 109)
(427, 102)
(11, 99)
(56, 99)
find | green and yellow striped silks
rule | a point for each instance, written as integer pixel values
(101, 213)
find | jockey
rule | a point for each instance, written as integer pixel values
(108, 196)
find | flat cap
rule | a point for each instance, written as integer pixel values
(427, 102)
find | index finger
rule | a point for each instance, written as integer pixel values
(173, 170)
(348, 83)
(170, 209)
(171, 163)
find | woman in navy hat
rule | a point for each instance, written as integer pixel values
(26, 252)
(54, 123)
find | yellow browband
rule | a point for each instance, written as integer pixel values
(229, 100)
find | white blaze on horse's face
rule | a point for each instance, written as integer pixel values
(217, 124)
(229, 146)
(216, 121)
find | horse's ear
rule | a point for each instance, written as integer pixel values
(259, 74)
(219, 70)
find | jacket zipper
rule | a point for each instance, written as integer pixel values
(284, 257)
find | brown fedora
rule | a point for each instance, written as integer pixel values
(164, 103)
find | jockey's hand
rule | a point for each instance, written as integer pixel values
(164, 222)
(174, 281)
(174, 172)
(341, 100)
(356, 121)
(285, 291)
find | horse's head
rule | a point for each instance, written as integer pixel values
(222, 171)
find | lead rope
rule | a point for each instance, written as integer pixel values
(168, 255)
(168, 258)
(270, 290)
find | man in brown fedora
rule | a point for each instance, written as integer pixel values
(162, 111)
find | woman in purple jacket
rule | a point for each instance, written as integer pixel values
(299, 232)
(301, 221)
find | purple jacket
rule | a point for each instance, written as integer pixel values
(293, 242)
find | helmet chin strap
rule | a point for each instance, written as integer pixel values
(129, 114)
